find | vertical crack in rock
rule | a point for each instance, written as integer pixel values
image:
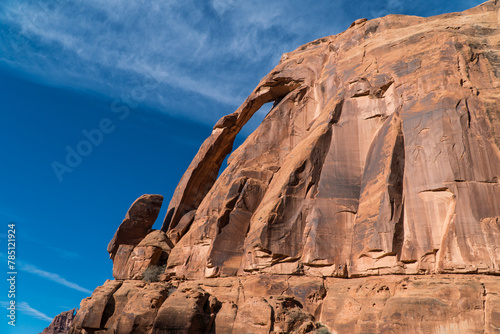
(468, 113)
(109, 310)
(273, 319)
(230, 202)
(443, 203)
(92, 309)
(483, 299)
(379, 233)
(395, 189)
(337, 111)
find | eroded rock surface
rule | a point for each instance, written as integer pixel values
(137, 224)
(61, 323)
(367, 201)
(286, 304)
(380, 156)
(135, 247)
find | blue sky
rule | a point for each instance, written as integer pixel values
(153, 77)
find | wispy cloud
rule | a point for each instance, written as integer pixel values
(383, 8)
(25, 308)
(210, 53)
(28, 310)
(213, 50)
(51, 277)
(56, 278)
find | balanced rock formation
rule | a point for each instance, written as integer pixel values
(135, 247)
(379, 157)
(137, 224)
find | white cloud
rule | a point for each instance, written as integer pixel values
(28, 310)
(51, 277)
(63, 253)
(221, 6)
(216, 50)
(395, 4)
(390, 7)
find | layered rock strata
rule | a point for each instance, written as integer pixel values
(455, 303)
(380, 157)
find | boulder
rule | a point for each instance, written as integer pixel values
(137, 224)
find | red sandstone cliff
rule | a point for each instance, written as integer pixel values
(61, 323)
(380, 157)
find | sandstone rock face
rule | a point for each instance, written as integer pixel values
(380, 156)
(121, 307)
(188, 310)
(367, 201)
(92, 313)
(289, 304)
(61, 323)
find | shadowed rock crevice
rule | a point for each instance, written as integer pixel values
(396, 193)
(399, 235)
(109, 310)
(230, 202)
